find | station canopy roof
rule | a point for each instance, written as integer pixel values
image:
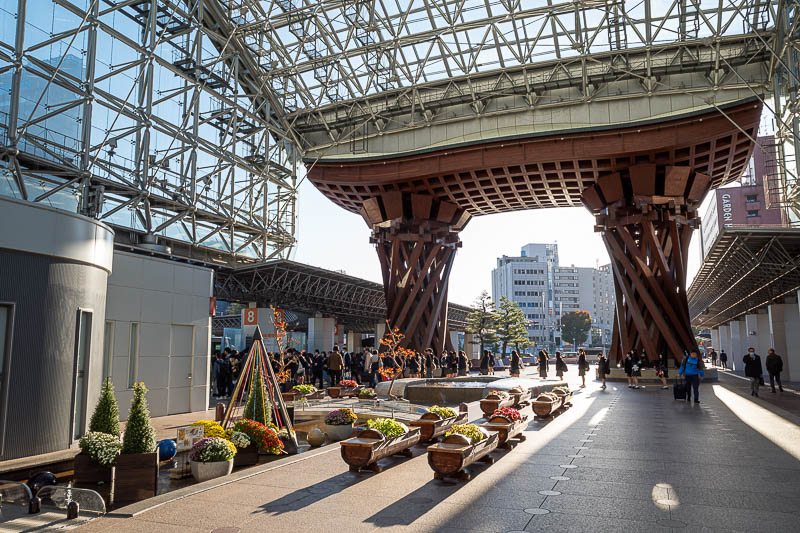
(745, 269)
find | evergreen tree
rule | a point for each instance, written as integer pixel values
(512, 326)
(140, 437)
(575, 326)
(258, 406)
(482, 321)
(105, 418)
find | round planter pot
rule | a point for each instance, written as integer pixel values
(206, 471)
(339, 432)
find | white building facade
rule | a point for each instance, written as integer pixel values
(544, 291)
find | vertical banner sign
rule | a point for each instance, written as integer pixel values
(250, 317)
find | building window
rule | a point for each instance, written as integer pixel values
(108, 345)
(83, 346)
(750, 198)
(751, 214)
(133, 355)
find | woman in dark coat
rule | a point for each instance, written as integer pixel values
(463, 363)
(583, 367)
(663, 369)
(453, 364)
(543, 362)
(561, 366)
(603, 369)
(516, 364)
(491, 363)
(485, 363)
(628, 365)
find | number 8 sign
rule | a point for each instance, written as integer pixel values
(250, 317)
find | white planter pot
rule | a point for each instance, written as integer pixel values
(339, 432)
(206, 471)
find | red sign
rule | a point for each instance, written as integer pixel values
(250, 317)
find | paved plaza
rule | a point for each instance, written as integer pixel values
(618, 460)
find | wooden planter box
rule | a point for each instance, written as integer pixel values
(333, 392)
(432, 425)
(290, 396)
(369, 447)
(521, 399)
(506, 429)
(91, 475)
(351, 392)
(246, 456)
(455, 453)
(546, 404)
(136, 478)
(493, 401)
(566, 396)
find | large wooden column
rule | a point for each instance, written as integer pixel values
(646, 215)
(416, 238)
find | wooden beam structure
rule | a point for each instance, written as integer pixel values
(416, 238)
(646, 215)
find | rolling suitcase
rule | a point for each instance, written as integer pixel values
(679, 391)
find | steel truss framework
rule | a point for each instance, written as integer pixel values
(151, 115)
(746, 268)
(356, 303)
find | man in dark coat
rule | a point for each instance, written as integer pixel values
(774, 365)
(723, 359)
(752, 369)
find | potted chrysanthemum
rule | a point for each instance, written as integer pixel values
(211, 457)
(339, 424)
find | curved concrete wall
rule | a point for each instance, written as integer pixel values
(54, 264)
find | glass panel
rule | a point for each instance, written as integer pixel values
(82, 358)
(133, 355)
(108, 342)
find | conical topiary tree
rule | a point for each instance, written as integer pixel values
(105, 418)
(258, 406)
(140, 437)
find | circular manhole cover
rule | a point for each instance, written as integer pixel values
(549, 493)
(537, 510)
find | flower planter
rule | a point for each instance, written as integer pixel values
(350, 392)
(136, 478)
(370, 446)
(205, 471)
(432, 425)
(565, 395)
(506, 429)
(246, 456)
(455, 453)
(333, 392)
(91, 475)
(521, 399)
(546, 404)
(492, 402)
(339, 432)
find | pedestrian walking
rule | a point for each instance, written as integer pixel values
(492, 362)
(373, 366)
(662, 369)
(603, 369)
(561, 366)
(636, 369)
(693, 371)
(544, 360)
(723, 359)
(516, 364)
(463, 363)
(713, 357)
(627, 364)
(583, 367)
(317, 369)
(752, 369)
(484, 366)
(774, 365)
(335, 366)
